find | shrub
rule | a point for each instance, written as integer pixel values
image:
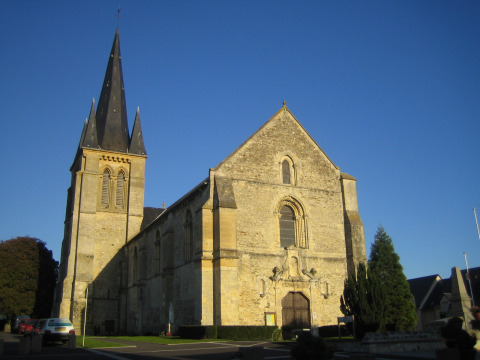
(309, 347)
(455, 336)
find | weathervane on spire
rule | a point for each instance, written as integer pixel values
(118, 16)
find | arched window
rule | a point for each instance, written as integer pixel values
(120, 189)
(292, 223)
(286, 172)
(287, 227)
(188, 237)
(287, 169)
(105, 188)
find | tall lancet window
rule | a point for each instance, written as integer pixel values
(286, 172)
(287, 226)
(188, 237)
(292, 224)
(158, 253)
(120, 190)
(135, 266)
(105, 188)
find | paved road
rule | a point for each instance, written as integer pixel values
(197, 351)
(144, 351)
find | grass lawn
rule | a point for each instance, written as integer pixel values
(170, 340)
(95, 343)
(343, 339)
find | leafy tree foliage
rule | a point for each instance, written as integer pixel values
(364, 297)
(28, 274)
(385, 264)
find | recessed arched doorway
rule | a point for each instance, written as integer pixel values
(296, 311)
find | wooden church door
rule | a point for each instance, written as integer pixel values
(296, 311)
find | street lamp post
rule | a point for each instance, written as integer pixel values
(85, 316)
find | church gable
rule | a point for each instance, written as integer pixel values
(281, 151)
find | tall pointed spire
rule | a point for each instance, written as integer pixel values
(112, 123)
(136, 143)
(90, 138)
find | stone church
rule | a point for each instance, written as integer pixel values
(267, 237)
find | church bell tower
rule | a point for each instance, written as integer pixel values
(104, 207)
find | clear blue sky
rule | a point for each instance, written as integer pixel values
(389, 89)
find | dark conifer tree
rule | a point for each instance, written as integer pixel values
(364, 298)
(384, 262)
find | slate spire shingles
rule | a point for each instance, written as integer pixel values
(107, 129)
(90, 138)
(112, 123)
(136, 142)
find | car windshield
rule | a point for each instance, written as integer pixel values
(59, 322)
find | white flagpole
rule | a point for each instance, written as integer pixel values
(476, 220)
(85, 316)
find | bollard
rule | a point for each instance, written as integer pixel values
(72, 341)
(252, 353)
(36, 344)
(1, 347)
(25, 345)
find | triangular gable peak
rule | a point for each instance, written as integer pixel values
(284, 114)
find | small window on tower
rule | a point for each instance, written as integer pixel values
(120, 189)
(105, 188)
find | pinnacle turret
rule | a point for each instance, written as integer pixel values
(136, 142)
(90, 138)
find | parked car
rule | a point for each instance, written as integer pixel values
(26, 326)
(16, 324)
(54, 329)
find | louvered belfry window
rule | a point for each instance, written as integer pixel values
(286, 172)
(105, 188)
(120, 186)
(287, 226)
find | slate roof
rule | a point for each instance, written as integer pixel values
(107, 129)
(428, 292)
(149, 215)
(420, 288)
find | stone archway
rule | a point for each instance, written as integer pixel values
(296, 311)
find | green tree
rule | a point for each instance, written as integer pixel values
(364, 298)
(384, 262)
(28, 274)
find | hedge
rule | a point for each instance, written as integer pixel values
(226, 332)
